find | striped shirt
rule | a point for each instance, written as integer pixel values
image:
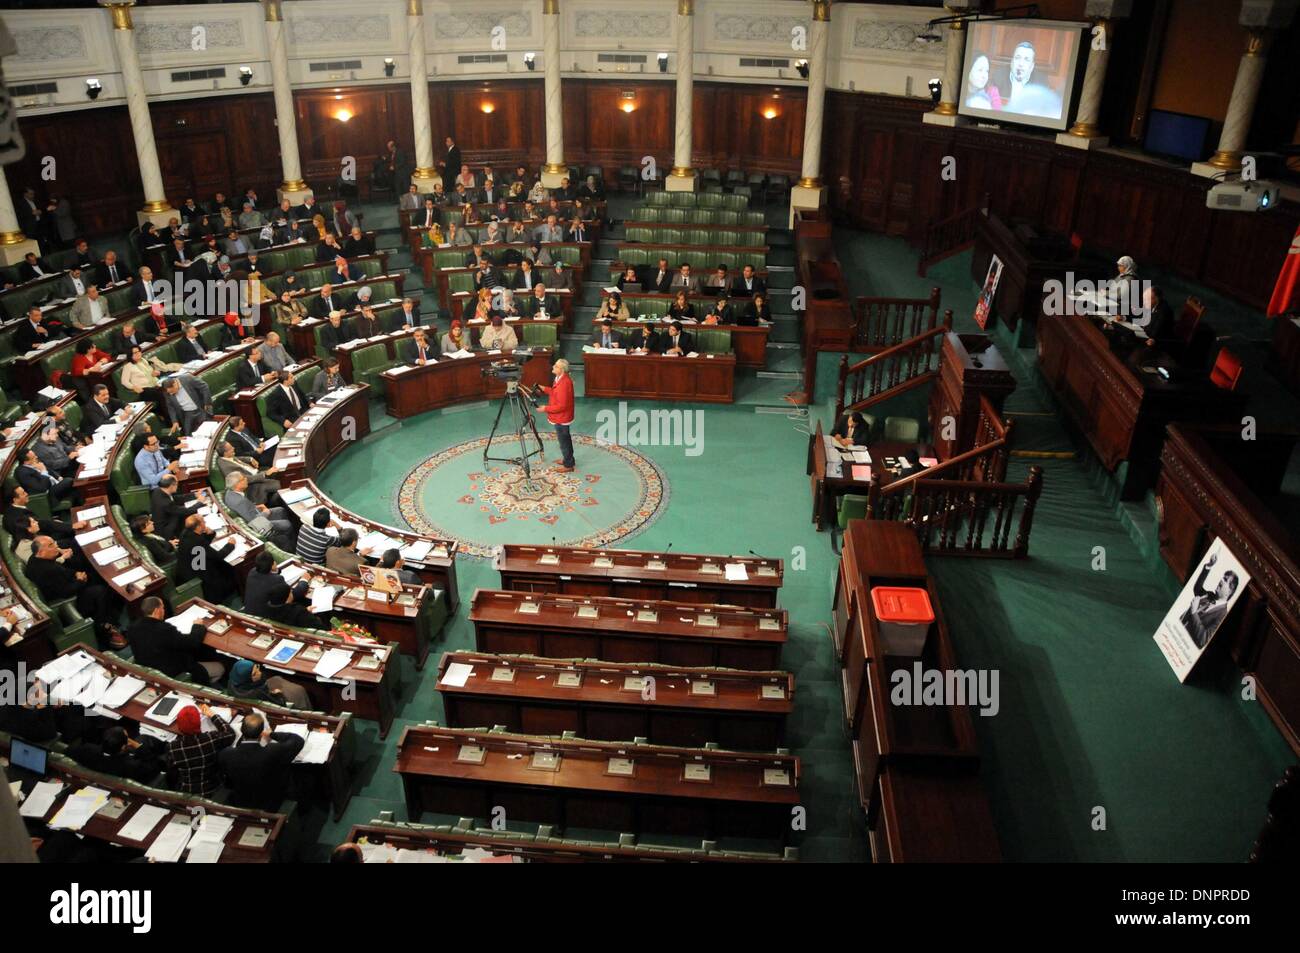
(313, 542)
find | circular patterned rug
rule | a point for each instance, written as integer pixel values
(613, 495)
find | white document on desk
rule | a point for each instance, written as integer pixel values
(332, 662)
(41, 799)
(457, 674)
(106, 556)
(317, 748)
(94, 535)
(142, 822)
(322, 599)
(170, 842)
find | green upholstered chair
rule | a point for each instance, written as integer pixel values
(902, 429)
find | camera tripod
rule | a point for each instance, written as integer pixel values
(518, 398)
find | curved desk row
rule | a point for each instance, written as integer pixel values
(413, 389)
(705, 378)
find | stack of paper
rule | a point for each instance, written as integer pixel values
(191, 617)
(79, 808)
(170, 842)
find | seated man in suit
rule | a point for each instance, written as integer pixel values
(118, 754)
(606, 337)
(686, 281)
(263, 488)
(148, 289)
(344, 557)
(676, 342)
(540, 304)
(658, 280)
(1157, 320)
(275, 523)
(418, 350)
(32, 268)
(198, 558)
(257, 765)
(525, 277)
(34, 331)
(392, 559)
(169, 506)
(35, 477)
(189, 402)
(127, 337)
(17, 515)
(644, 340)
(151, 464)
(411, 200)
(285, 605)
(275, 357)
(158, 644)
(330, 378)
(251, 372)
(261, 579)
(550, 231)
(89, 310)
(365, 324)
(112, 271)
(407, 318)
(286, 403)
(75, 282)
(51, 451)
(748, 284)
(102, 409)
(191, 346)
(248, 444)
(578, 231)
(328, 301)
(336, 332)
(57, 581)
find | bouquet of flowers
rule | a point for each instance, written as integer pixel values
(350, 632)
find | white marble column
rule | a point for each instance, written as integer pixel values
(14, 245)
(426, 173)
(809, 193)
(556, 169)
(155, 209)
(945, 111)
(1261, 18)
(682, 177)
(1085, 133)
(292, 187)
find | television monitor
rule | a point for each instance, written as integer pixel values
(1021, 71)
(1176, 135)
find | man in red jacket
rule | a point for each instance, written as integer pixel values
(560, 412)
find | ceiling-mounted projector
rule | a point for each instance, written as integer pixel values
(1256, 195)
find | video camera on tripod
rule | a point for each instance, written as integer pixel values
(517, 398)
(510, 370)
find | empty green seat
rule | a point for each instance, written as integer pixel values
(712, 341)
(540, 335)
(902, 429)
(369, 364)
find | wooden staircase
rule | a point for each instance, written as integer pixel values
(895, 370)
(948, 236)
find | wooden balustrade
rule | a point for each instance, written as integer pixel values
(949, 235)
(884, 322)
(897, 368)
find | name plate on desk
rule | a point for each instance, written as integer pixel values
(502, 674)
(254, 837)
(263, 641)
(603, 562)
(766, 571)
(471, 754)
(773, 692)
(528, 608)
(769, 625)
(711, 569)
(707, 621)
(569, 680)
(703, 688)
(368, 663)
(647, 615)
(697, 772)
(620, 767)
(658, 565)
(221, 625)
(545, 761)
(776, 777)
(548, 559)
(634, 683)
(588, 612)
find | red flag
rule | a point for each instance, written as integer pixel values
(1286, 293)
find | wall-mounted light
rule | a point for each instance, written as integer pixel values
(802, 67)
(343, 115)
(936, 89)
(93, 88)
(245, 75)
(390, 66)
(628, 104)
(663, 62)
(488, 108)
(530, 60)
(770, 112)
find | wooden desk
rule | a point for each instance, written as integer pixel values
(1120, 409)
(689, 707)
(454, 381)
(424, 255)
(635, 574)
(581, 792)
(133, 796)
(339, 419)
(243, 403)
(94, 481)
(708, 378)
(460, 304)
(916, 765)
(625, 630)
(748, 344)
(151, 584)
(445, 842)
(827, 489)
(432, 559)
(331, 780)
(367, 693)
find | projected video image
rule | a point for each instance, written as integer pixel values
(1020, 71)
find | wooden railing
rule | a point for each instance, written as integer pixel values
(965, 517)
(892, 371)
(949, 235)
(880, 323)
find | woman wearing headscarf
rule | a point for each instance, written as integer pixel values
(433, 237)
(192, 754)
(249, 681)
(454, 340)
(289, 310)
(233, 331)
